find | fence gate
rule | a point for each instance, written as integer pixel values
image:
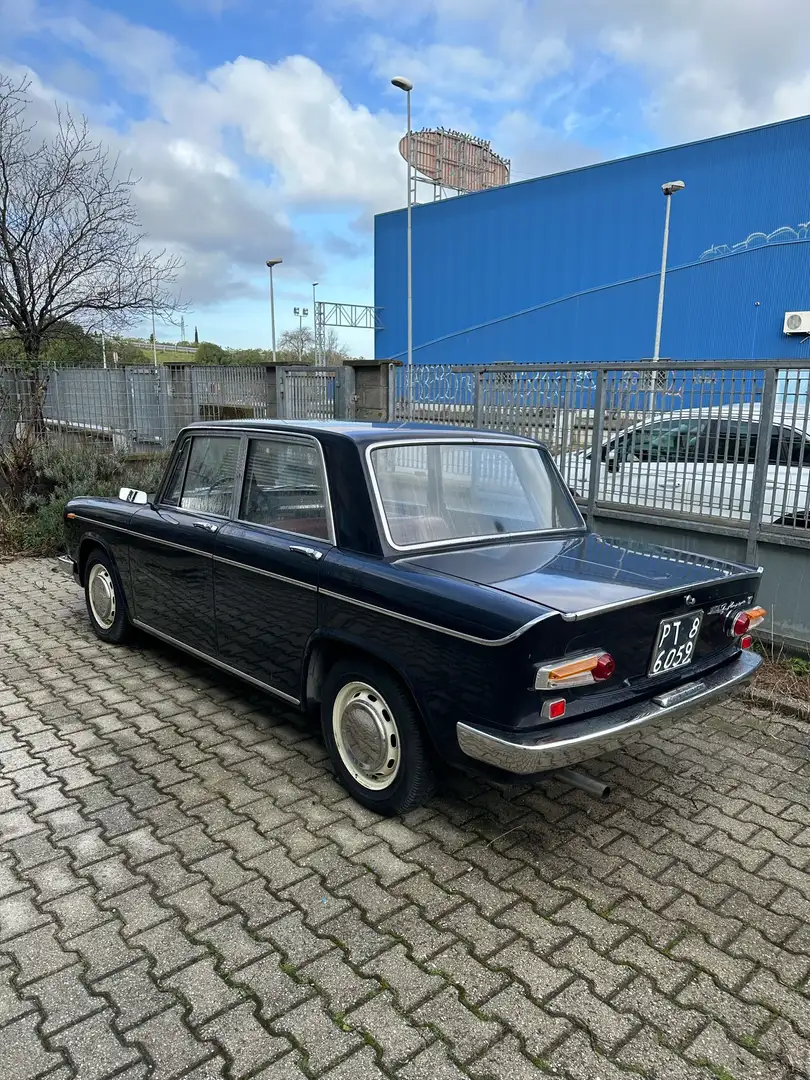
(310, 393)
(145, 404)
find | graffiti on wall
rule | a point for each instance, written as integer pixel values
(783, 235)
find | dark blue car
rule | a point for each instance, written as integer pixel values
(433, 592)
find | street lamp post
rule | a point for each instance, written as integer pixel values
(315, 327)
(407, 86)
(302, 314)
(270, 264)
(669, 190)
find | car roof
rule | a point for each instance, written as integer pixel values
(364, 432)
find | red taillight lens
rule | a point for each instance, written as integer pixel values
(746, 642)
(741, 624)
(604, 669)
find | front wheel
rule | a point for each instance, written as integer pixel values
(105, 600)
(375, 738)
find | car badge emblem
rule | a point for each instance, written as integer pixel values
(689, 600)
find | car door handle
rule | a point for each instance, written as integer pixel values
(311, 553)
(207, 525)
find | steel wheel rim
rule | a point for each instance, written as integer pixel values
(101, 593)
(366, 736)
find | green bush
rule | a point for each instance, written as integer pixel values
(59, 474)
(210, 353)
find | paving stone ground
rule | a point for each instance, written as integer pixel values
(185, 891)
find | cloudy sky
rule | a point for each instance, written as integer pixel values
(269, 127)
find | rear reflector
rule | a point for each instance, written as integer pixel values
(553, 710)
(746, 642)
(577, 671)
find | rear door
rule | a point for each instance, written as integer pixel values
(173, 542)
(268, 560)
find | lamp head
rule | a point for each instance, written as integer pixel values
(402, 83)
(672, 186)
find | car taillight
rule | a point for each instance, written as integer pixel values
(743, 621)
(575, 671)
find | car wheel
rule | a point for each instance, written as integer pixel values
(375, 738)
(105, 600)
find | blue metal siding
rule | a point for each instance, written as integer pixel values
(565, 268)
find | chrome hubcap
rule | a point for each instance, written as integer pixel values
(101, 593)
(366, 735)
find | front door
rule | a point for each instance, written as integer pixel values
(268, 560)
(173, 542)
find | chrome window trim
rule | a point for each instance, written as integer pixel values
(204, 433)
(440, 629)
(535, 534)
(289, 436)
(217, 663)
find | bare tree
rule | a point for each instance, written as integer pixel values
(71, 245)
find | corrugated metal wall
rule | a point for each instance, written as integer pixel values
(565, 268)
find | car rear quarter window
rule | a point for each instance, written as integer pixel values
(208, 487)
(284, 487)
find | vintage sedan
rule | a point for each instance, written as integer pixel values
(433, 593)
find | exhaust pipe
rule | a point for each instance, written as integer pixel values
(584, 783)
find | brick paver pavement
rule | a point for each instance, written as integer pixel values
(186, 892)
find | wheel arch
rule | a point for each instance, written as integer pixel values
(325, 650)
(86, 545)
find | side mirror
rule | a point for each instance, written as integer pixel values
(132, 495)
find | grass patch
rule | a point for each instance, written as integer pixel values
(784, 673)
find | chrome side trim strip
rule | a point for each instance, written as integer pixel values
(217, 663)
(439, 629)
(586, 613)
(265, 573)
(202, 554)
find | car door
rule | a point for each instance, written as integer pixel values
(173, 542)
(267, 566)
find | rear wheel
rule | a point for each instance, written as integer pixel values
(105, 599)
(375, 739)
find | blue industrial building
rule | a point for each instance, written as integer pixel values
(565, 267)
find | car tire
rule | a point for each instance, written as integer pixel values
(375, 738)
(106, 606)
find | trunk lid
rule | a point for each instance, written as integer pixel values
(610, 594)
(578, 575)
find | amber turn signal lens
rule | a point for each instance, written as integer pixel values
(580, 671)
(70, 517)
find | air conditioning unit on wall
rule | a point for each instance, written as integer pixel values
(796, 322)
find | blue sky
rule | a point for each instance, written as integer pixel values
(269, 127)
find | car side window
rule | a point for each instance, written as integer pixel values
(174, 487)
(284, 487)
(208, 488)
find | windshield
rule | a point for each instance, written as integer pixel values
(443, 492)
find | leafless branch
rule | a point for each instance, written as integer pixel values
(71, 245)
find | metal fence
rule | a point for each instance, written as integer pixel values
(138, 409)
(725, 444)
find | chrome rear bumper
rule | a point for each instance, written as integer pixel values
(567, 744)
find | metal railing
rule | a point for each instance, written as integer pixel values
(724, 443)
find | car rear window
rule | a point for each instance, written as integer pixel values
(445, 492)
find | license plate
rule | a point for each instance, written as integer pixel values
(675, 643)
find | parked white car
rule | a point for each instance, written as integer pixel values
(703, 462)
